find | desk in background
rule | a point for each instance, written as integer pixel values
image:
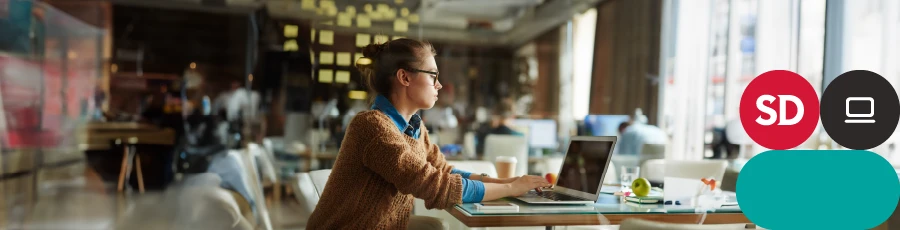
(101, 138)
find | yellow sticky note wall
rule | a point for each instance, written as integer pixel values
(326, 76)
(291, 45)
(344, 20)
(381, 39)
(326, 58)
(401, 25)
(362, 40)
(363, 21)
(342, 76)
(290, 31)
(343, 59)
(326, 37)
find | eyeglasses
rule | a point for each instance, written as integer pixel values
(432, 73)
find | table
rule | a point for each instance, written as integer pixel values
(614, 210)
(101, 135)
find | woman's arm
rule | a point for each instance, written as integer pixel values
(391, 157)
(519, 186)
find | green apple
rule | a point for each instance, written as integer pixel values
(640, 187)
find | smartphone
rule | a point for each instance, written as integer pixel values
(497, 206)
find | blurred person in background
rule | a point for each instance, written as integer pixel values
(387, 159)
(443, 116)
(238, 107)
(635, 133)
(501, 121)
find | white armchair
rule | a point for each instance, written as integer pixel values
(655, 170)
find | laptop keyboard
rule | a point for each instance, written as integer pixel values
(555, 196)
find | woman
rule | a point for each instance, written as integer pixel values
(387, 158)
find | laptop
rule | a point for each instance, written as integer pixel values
(581, 174)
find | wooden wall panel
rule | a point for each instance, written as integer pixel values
(626, 58)
(546, 89)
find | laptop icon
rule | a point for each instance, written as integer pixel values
(864, 108)
(581, 174)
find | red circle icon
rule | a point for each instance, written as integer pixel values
(779, 109)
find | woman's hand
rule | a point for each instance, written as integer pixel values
(523, 184)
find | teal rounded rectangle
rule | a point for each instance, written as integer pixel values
(818, 189)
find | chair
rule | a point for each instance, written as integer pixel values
(309, 188)
(476, 167)
(263, 159)
(639, 224)
(697, 169)
(319, 179)
(652, 151)
(611, 176)
(469, 166)
(446, 137)
(197, 202)
(552, 165)
(656, 170)
(252, 181)
(306, 193)
(508, 145)
(469, 145)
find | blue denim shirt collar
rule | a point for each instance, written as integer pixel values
(410, 127)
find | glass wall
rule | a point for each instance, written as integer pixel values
(869, 34)
(717, 50)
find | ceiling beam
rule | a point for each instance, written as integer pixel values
(193, 5)
(545, 18)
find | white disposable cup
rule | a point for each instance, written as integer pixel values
(506, 166)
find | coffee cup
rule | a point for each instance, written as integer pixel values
(506, 166)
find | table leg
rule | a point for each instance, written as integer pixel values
(276, 188)
(140, 175)
(124, 167)
(549, 228)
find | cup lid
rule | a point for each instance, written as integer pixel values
(507, 159)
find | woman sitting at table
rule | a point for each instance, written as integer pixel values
(387, 158)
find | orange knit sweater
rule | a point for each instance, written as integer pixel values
(378, 172)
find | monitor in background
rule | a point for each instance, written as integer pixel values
(541, 133)
(585, 164)
(604, 125)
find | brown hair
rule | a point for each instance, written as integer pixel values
(387, 58)
(505, 109)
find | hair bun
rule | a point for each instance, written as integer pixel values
(373, 51)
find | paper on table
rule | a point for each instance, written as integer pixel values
(681, 189)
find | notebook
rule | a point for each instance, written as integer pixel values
(645, 199)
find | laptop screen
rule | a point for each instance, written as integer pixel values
(584, 165)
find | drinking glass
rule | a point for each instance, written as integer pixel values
(629, 174)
